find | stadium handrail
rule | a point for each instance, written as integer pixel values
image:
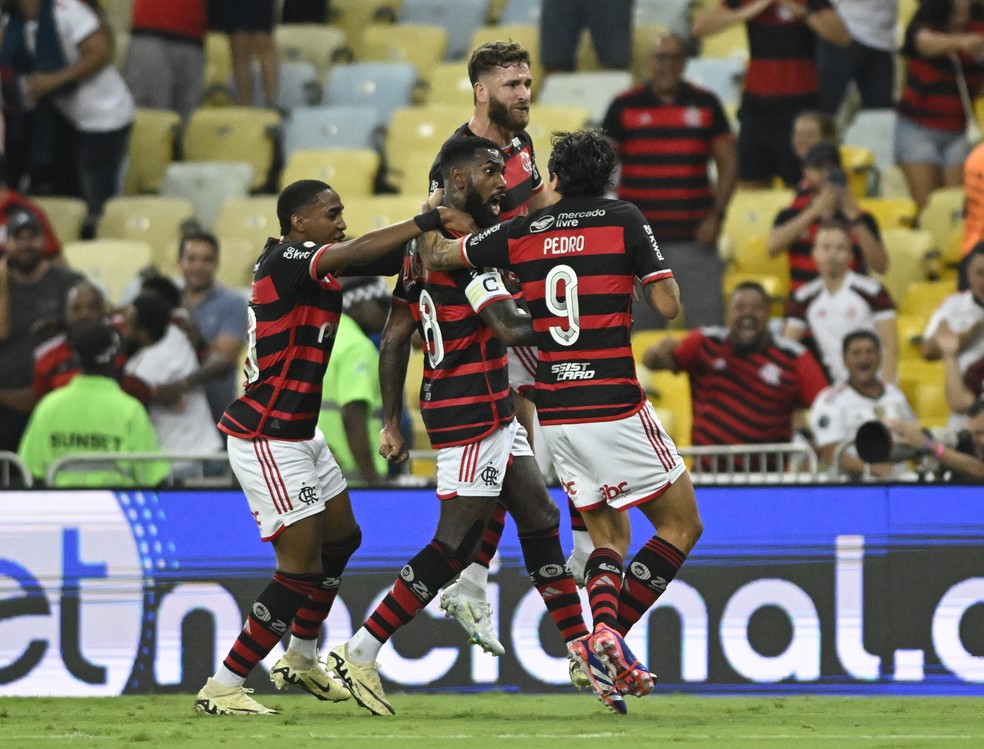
(99, 461)
(10, 459)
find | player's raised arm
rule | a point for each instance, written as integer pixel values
(394, 353)
(441, 254)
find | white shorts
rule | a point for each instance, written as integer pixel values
(478, 468)
(623, 463)
(522, 367)
(285, 481)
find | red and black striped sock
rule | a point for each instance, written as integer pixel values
(577, 519)
(603, 580)
(269, 618)
(419, 581)
(313, 612)
(491, 536)
(646, 577)
(552, 580)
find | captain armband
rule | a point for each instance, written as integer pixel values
(484, 288)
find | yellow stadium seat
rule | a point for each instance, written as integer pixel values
(548, 118)
(750, 217)
(922, 383)
(218, 68)
(237, 256)
(448, 84)
(350, 172)
(414, 172)
(910, 329)
(355, 15)
(151, 149)
(891, 213)
(153, 219)
(365, 214)
(923, 297)
(66, 215)
(752, 256)
(642, 340)
(419, 132)
(252, 220)
(730, 42)
(112, 264)
(777, 287)
(318, 44)
(421, 45)
(233, 134)
(907, 253)
(859, 163)
(671, 391)
(942, 214)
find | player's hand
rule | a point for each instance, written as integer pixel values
(391, 445)
(708, 230)
(457, 221)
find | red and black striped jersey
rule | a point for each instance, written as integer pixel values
(802, 268)
(464, 395)
(930, 94)
(742, 397)
(664, 148)
(521, 175)
(292, 321)
(782, 70)
(576, 261)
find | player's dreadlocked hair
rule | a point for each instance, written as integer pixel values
(492, 55)
(583, 163)
(461, 150)
(295, 196)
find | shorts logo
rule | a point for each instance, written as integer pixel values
(308, 495)
(569, 488)
(551, 570)
(640, 571)
(490, 475)
(261, 612)
(407, 573)
(331, 583)
(542, 224)
(613, 492)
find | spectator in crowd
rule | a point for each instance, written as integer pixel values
(810, 127)
(973, 183)
(351, 411)
(249, 24)
(667, 131)
(943, 50)
(961, 314)
(839, 301)
(218, 315)
(55, 363)
(823, 195)
(962, 388)
(33, 290)
(13, 202)
(561, 24)
(781, 79)
(747, 385)
(965, 459)
(159, 354)
(165, 55)
(863, 395)
(64, 51)
(91, 414)
(868, 61)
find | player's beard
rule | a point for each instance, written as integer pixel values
(479, 211)
(499, 114)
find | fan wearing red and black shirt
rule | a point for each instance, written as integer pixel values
(782, 76)
(465, 319)
(577, 261)
(821, 196)
(747, 385)
(295, 488)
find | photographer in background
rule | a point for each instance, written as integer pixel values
(821, 196)
(965, 459)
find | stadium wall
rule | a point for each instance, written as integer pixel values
(810, 589)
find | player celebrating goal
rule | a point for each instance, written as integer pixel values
(576, 261)
(295, 488)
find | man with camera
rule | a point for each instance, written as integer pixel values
(965, 459)
(823, 195)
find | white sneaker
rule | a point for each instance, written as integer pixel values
(310, 675)
(361, 680)
(218, 699)
(474, 615)
(575, 566)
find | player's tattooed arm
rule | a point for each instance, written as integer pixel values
(439, 253)
(394, 353)
(510, 323)
(664, 297)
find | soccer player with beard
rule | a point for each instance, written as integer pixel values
(465, 318)
(294, 487)
(499, 72)
(577, 261)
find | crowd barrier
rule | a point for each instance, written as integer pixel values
(822, 588)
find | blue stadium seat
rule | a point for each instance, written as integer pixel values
(673, 14)
(332, 126)
(383, 85)
(459, 17)
(521, 12)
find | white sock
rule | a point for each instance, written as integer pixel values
(227, 678)
(306, 648)
(363, 648)
(582, 546)
(474, 579)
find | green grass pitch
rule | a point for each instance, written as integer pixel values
(477, 721)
